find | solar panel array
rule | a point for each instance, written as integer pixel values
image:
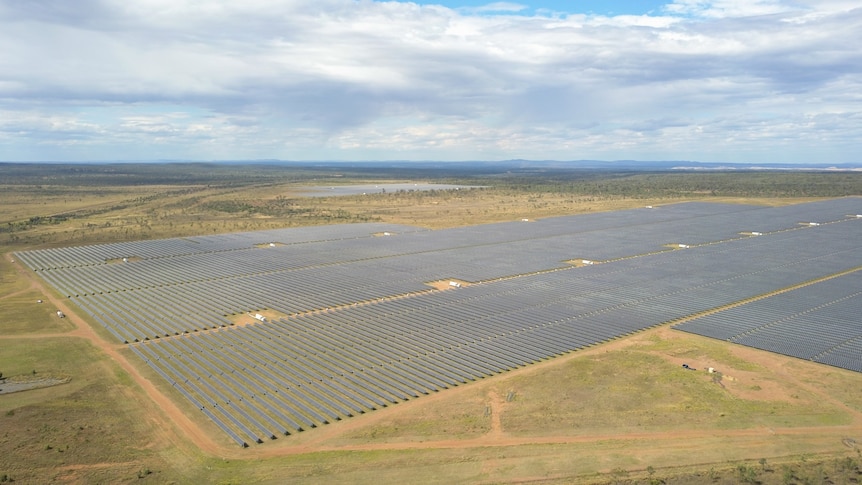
(820, 322)
(163, 248)
(386, 336)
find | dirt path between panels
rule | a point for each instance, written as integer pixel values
(171, 425)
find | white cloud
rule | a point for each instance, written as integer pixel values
(360, 79)
(495, 7)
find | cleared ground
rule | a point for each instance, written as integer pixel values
(617, 412)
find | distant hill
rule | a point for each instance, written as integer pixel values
(490, 165)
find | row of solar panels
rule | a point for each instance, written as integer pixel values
(478, 261)
(689, 223)
(392, 350)
(159, 312)
(140, 314)
(818, 322)
(44, 259)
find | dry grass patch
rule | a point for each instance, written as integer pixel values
(445, 419)
(23, 202)
(91, 429)
(21, 314)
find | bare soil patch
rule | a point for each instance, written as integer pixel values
(449, 284)
(250, 317)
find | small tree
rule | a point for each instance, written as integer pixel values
(619, 474)
(747, 474)
(788, 475)
(652, 479)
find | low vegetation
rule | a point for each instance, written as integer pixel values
(48, 205)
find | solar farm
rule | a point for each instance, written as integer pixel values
(274, 332)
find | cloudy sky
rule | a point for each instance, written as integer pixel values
(710, 80)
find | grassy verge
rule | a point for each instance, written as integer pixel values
(90, 429)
